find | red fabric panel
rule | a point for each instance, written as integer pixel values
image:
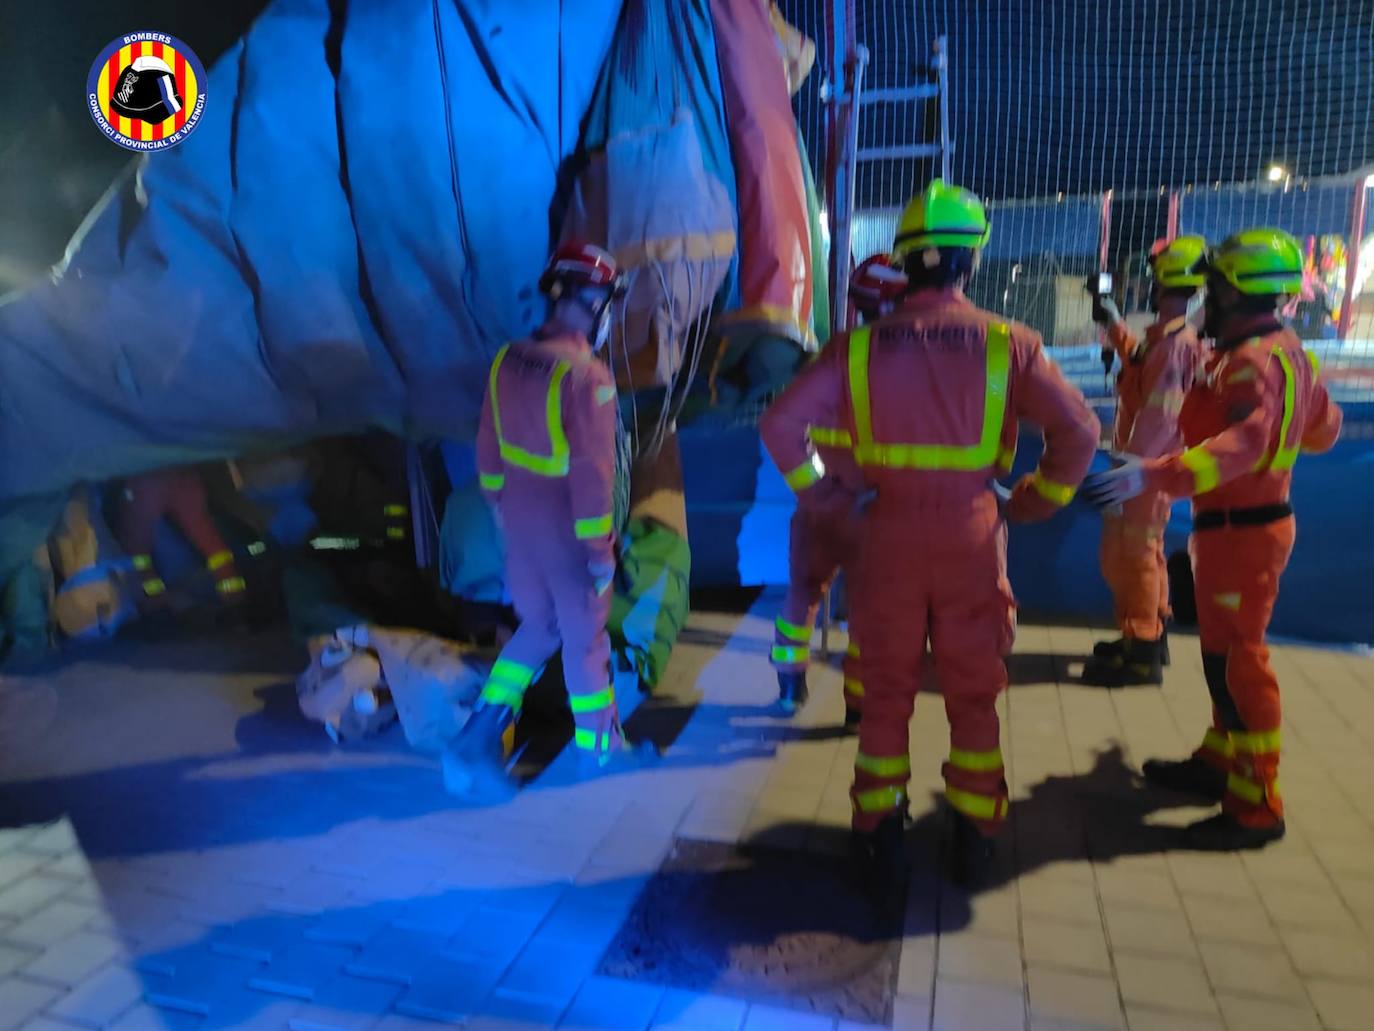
(775, 241)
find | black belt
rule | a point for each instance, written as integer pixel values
(1258, 516)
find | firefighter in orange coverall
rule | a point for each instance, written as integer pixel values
(177, 495)
(1155, 375)
(546, 460)
(929, 400)
(1261, 403)
(820, 545)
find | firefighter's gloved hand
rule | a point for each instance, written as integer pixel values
(603, 574)
(828, 498)
(1110, 489)
(1105, 311)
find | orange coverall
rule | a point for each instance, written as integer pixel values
(929, 399)
(1150, 388)
(546, 460)
(179, 496)
(1260, 404)
(820, 544)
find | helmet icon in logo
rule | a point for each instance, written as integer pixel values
(147, 90)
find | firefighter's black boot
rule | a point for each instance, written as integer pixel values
(1109, 649)
(1222, 833)
(622, 757)
(1191, 776)
(792, 692)
(881, 864)
(971, 852)
(1137, 664)
(475, 763)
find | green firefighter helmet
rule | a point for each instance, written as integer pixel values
(1179, 263)
(1259, 262)
(941, 216)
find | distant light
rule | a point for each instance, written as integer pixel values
(1276, 174)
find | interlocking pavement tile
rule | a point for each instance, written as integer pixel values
(395, 955)
(442, 914)
(772, 1018)
(1061, 900)
(1165, 983)
(514, 1015)
(1062, 995)
(345, 1004)
(1343, 1006)
(20, 1000)
(696, 1011)
(1139, 889)
(200, 979)
(971, 957)
(259, 938)
(301, 969)
(448, 991)
(992, 913)
(352, 925)
(1221, 920)
(29, 894)
(145, 1017)
(101, 999)
(74, 957)
(1141, 1018)
(909, 1013)
(47, 1024)
(1241, 970)
(1058, 944)
(916, 964)
(547, 972)
(1320, 954)
(1296, 907)
(1251, 1014)
(610, 1004)
(492, 934)
(1220, 876)
(1150, 930)
(960, 1006)
(12, 958)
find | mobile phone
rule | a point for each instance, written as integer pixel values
(1104, 284)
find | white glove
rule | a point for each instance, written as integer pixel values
(1113, 312)
(1002, 493)
(1117, 485)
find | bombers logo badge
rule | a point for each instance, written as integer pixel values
(146, 91)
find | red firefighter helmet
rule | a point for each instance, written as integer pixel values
(875, 283)
(577, 264)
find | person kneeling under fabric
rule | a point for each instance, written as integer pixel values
(1155, 374)
(821, 542)
(546, 461)
(1260, 403)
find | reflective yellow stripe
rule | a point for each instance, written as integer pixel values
(143, 562)
(396, 533)
(591, 529)
(853, 686)
(782, 653)
(591, 740)
(592, 702)
(800, 634)
(880, 800)
(829, 437)
(1261, 742)
(492, 481)
(1228, 601)
(1313, 361)
(257, 548)
(1006, 457)
(1286, 455)
(152, 588)
(509, 672)
(219, 560)
(395, 510)
(852, 649)
(1206, 474)
(805, 475)
(883, 766)
(980, 807)
(231, 585)
(1244, 789)
(1215, 741)
(556, 462)
(868, 451)
(1057, 493)
(503, 694)
(976, 762)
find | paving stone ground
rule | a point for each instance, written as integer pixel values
(179, 850)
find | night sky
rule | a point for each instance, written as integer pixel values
(1047, 95)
